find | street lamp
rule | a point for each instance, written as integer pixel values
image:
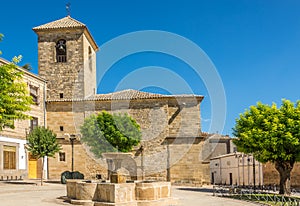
(72, 138)
(253, 165)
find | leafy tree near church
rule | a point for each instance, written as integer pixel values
(1, 37)
(107, 132)
(42, 142)
(14, 97)
(271, 134)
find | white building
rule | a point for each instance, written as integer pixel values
(236, 169)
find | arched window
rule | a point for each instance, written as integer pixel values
(61, 51)
(90, 59)
(90, 51)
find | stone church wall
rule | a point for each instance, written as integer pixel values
(159, 121)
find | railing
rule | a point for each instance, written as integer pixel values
(264, 194)
(61, 58)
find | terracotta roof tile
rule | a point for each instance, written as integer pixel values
(66, 22)
(129, 94)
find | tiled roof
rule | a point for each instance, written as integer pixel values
(66, 22)
(26, 72)
(129, 94)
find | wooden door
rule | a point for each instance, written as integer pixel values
(32, 167)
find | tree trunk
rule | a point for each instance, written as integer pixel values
(284, 168)
(42, 171)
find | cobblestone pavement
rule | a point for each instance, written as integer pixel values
(50, 195)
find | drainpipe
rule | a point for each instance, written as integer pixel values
(238, 166)
(44, 105)
(168, 163)
(220, 165)
(243, 170)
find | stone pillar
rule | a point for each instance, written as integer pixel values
(109, 168)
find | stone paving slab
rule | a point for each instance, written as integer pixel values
(191, 196)
(48, 195)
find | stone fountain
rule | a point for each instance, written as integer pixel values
(116, 175)
(118, 192)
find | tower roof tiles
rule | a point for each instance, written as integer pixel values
(66, 22)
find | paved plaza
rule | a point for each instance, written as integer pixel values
(51, 194)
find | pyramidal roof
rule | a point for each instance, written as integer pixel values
(66, 22)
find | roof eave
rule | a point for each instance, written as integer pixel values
(91, 39)
(84, 28)
(4, 61)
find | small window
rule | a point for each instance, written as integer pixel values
(61, 128)
(90, 51)
(62, 156)
(90, 59)
(61, 95)
(33, 123)
(61, 51)
(34, 93)
(9, 157)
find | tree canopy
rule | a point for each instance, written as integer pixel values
(42, 142)
(107, 132)
(14, 96)
(271, 134)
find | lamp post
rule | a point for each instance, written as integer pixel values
(253, 165)
(238, 167)
(72, 139)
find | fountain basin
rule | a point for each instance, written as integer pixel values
(132, 194)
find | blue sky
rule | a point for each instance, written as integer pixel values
(254, 44)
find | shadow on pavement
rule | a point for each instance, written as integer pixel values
(18, 182)
(207, 190)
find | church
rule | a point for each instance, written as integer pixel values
(173, 146)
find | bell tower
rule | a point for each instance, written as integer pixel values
(67, 59)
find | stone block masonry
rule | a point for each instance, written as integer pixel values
(159, 119)
(126, 194)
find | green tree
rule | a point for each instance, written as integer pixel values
(14, 97)
(27, 67)
(107, 132)
(271, 134)
(42, 142)
(1, 37)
